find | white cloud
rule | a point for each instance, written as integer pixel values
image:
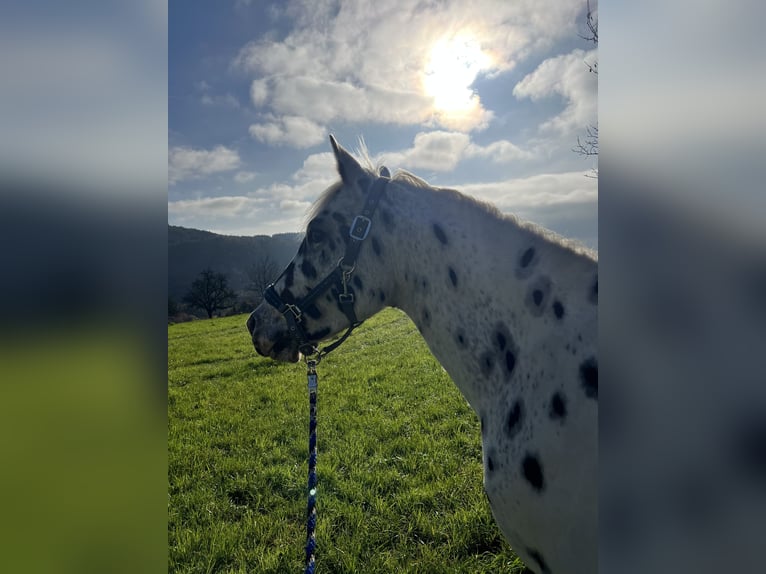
(568, 76)
(189, 163)
(259, 91)
(244, 176)
(537, 191)
(221, 100)
(442, 151)
(318, 167)
(435, 151)
(224, 206)
(292, 131)
(501, 151)
(294, 205)
(366, 61)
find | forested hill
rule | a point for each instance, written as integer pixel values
(192, 250)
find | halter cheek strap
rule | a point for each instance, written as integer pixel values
(340, 277)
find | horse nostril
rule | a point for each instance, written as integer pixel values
(251, 324)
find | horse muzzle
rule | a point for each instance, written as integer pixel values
(270, 336)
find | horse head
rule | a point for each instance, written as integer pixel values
(338, 278)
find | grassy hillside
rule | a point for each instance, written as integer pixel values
(399, 467)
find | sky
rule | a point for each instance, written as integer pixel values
(487, 97)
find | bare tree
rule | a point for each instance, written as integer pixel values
(262, 273)
(588, 145)
(210, 292)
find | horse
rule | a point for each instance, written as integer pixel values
(508, 308)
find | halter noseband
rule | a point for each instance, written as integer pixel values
(340, 276)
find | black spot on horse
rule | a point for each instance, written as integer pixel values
(482, 425)
(376, 246)
(593, 296)
(501, 340)
(308, 270)
(558, 408)
(533, 471)
(460, 338)
(426, 317)
(558, 309)
(527, 261)
(453, 277)
(358, 283)
(538, 295)
(289, 275)
(526, 257)
(589, 378)
(440, 235)
(515, 419)
(287, 296)
(490, 464)
(506, 346)
(487, 363)
(382, 297)
(388, 220)
(313, 311)
(538, 558)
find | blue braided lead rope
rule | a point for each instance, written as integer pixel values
(311, 514)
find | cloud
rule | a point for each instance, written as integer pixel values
(223, 206)
(538, 191)
(501, 151)
(259, 91)
(244, 176)
(435, 151)
(442, 151)
(366, 61)
(318, 167)
(189, 163)
(292, 131)
(568, 76)
(220, 100)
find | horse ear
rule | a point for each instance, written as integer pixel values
(349, 169)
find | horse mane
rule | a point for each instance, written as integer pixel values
(407, 178)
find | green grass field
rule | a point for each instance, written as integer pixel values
(399, 467)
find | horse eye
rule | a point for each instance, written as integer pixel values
(316, 236)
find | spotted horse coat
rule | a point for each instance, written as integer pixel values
(510, 312)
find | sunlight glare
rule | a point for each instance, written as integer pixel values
(453, 66)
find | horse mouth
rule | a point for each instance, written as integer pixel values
(284, 349)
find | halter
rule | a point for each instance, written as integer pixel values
(340, 277)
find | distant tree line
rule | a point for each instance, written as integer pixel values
(210, 293)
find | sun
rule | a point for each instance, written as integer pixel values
(452, 68)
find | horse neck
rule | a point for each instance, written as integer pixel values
(456, 278)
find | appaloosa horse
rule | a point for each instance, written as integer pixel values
(507, 308)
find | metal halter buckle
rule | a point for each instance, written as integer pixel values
(360, 227)
(295, 310)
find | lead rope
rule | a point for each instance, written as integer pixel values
(311, 514)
